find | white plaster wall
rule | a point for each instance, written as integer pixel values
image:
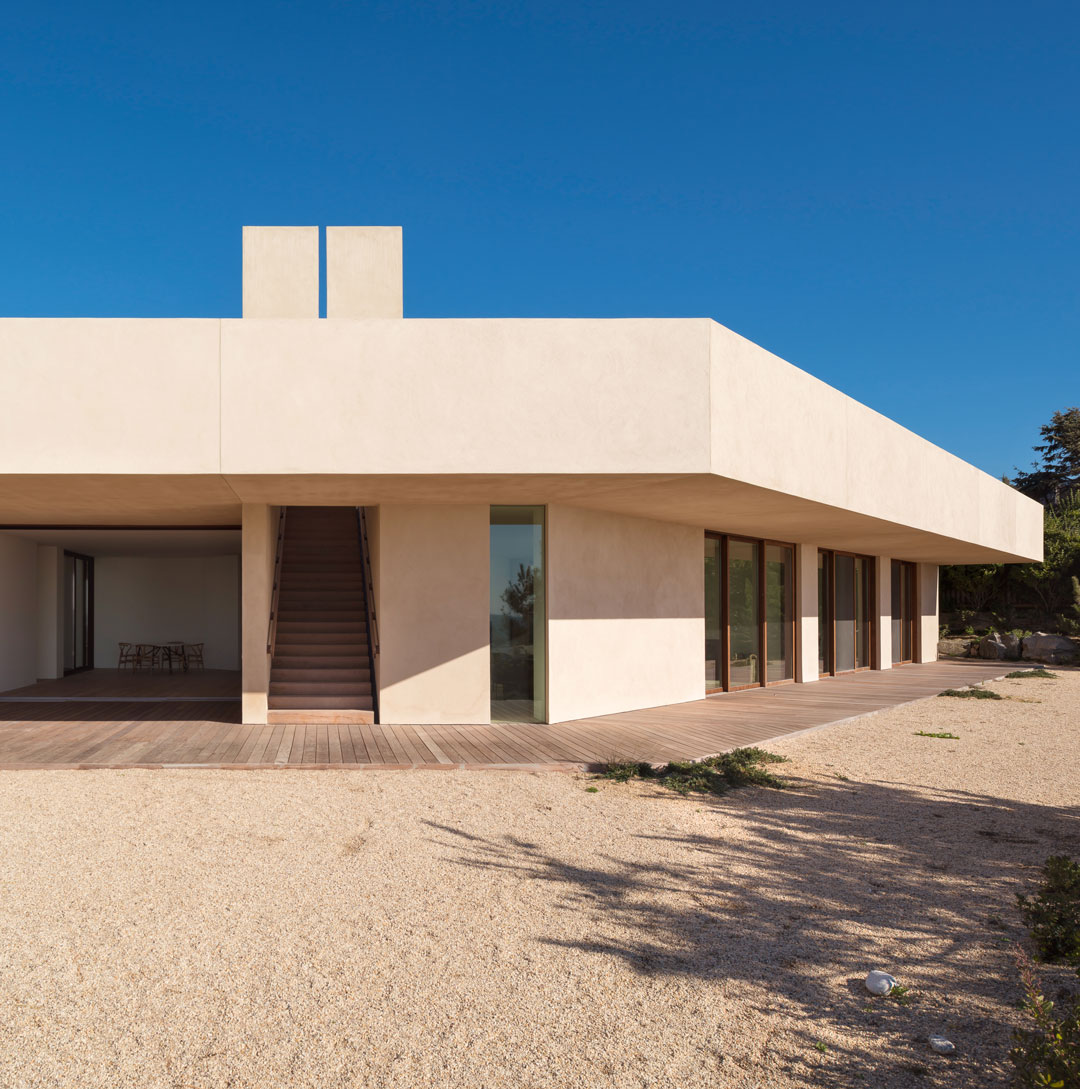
(806, 613)
(18, 612)
(927, 596)
(157, 599)
(433, 604)
(626, 623)
(259, 527)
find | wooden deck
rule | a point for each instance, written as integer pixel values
(171, 733)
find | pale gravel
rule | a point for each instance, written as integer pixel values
(212, 928)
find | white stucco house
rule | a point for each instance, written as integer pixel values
(461, 520)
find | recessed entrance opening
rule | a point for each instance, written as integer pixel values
(139, 613)
(749, 612)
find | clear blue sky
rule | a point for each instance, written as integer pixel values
(886, 195)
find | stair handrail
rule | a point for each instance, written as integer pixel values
(369, 579)
(275, 594)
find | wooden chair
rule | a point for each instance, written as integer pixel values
(129, 656)
(147, 655)
(193, 656)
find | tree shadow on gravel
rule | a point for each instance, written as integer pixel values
(822, 883)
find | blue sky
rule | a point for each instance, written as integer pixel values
(886, 195)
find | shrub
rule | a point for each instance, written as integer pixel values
(1024, 674)
(971, 693)
(1047, 1056)
(1053, 913)
(714, 775)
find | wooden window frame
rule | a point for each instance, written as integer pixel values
(871, 597)
(760, 544)
(912, 599)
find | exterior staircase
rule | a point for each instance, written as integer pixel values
(321, 666)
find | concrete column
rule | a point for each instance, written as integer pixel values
(257, 546)
(882, 618)
(363, 272)
(806, 613)
(50, 613)
(927, 598)
(281, 272)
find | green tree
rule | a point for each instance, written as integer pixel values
(1056, 475)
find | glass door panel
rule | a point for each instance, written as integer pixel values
(779, 613)
(862, 613)
(897, 624)
(744, 574)
(518, 615)
(824, 599)
(844, 613)
(907, 590)
(714, 627)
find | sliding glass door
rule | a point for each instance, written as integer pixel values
(903, 612)
(749, 612)
(78, 612)
(518, 615)
(845, 629)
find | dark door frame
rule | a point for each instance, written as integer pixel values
(88, 618)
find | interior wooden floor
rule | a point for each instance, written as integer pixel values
(186, 733)
(132, 684)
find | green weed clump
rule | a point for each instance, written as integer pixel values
(1024, 674)
(971, 694)
(944, 736)
(714, 775)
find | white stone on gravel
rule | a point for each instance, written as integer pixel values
(941, 1045)
(880, 983)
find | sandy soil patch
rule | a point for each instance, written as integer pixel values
(204, 928)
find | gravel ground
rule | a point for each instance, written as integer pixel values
(204, 928)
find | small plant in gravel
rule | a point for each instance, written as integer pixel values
(1046, 1056)
(592, 790)
(1053, 913)
(1025, 674)
(971, 694)
(944, 736)
(901, 995)
(622, 771)
(714, 775)
(819, 1046)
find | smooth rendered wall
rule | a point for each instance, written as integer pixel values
(927, 575)
(258, 546)
(806, 613)
(626, 618)
(433, 604)
(158, 599)
(18, 612)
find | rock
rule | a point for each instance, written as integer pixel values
(999, 644)
(1043, 647)
(880, 983)
(941, 1045)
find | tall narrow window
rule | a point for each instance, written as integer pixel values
(824, 598)
(903, 612)
(714, 629)
(78, 612)
(779, 613)
(844, 613)
(862, 613)
(744, 650)
(518, 615)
